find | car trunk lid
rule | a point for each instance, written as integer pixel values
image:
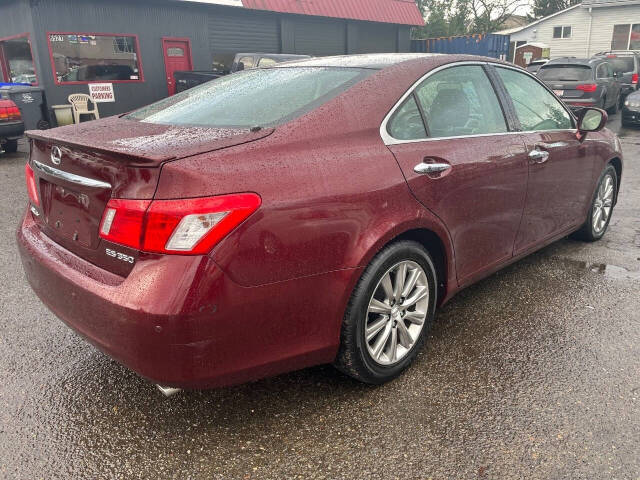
(78, 169)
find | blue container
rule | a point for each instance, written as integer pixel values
(489, 45)
(14, 84)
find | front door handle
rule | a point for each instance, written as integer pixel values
(538, 156)
(428, 168)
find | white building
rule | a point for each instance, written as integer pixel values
(584, 29)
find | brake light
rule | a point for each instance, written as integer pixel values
(31, 185)
(190, 226)
(589, 87)
(9, 111)
(634, 78)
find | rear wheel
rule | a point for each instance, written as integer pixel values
(601, 209)
(389, 314)
(11, 146)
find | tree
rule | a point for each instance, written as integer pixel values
(443, 18)
(489, 15)
(543, 8)
(459, 17)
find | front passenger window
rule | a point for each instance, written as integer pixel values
(536, 108)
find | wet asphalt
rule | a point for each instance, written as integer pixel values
(532, 373)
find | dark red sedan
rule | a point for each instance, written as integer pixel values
(307, 213)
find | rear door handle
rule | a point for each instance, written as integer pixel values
(428, 168)
(538, 156)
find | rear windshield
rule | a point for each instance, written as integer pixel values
(261, 97)
(568, 73)
(621, 64)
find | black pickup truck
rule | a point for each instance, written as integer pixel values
(242, 61)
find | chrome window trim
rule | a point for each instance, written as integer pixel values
(389, 140)
(70, 177)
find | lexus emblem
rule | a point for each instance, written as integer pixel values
(56, 155)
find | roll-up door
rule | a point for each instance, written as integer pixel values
(245, 32)
(319, 36)
(377, 37)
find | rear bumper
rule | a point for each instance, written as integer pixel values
(11, 130)
(180, 321)
(581, 102)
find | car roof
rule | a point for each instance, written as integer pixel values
(587, 62)
(271, 55)
(618, 52)
(372, 60)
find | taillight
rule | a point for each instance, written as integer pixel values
(9, 111)
(31, 185)
(589, 87)
(634, 78)
(123, 222)
(190, 226)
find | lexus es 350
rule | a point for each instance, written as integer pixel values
(306, 213)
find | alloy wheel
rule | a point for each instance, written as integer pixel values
(396, 313)
(603, 204)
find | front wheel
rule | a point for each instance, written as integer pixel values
(601, 209)
(389, 314)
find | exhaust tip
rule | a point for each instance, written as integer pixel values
(168, 391)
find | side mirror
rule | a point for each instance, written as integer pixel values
(591, 120)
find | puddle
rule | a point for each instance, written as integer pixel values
(611, 271)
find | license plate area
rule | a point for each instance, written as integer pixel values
(559, 92)
(69, 216)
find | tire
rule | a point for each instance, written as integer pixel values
(11, 146)
(592, 231)
(357, 356)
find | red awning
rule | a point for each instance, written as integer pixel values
(403, 12)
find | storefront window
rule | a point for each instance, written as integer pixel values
(16, 60)
(87, 58)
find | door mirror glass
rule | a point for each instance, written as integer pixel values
(592, 120)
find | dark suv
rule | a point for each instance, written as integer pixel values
(583, 82)
(627, 64)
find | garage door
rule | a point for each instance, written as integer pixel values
(244, 33)
(319, 37)
(377, 37)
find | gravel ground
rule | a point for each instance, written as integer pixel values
(532, 373)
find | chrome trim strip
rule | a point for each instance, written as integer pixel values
(389, 140)
(70, 177)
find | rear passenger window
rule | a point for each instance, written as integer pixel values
(406, 123)
(460, 101)
(536, 108)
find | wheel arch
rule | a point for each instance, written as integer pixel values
(435, 238)
(616, 162)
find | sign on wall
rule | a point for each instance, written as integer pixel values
(101, 92)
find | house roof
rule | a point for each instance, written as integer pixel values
(609, 3)
(402, 12)
(518, 29)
